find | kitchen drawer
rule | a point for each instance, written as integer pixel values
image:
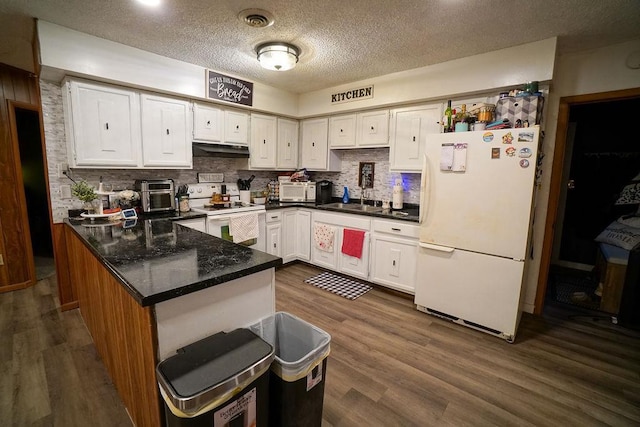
(274, 216)
(396, 228)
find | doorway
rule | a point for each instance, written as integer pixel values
(600, 183)
(602, 161)
(35, 185)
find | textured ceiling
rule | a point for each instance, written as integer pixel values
(341, 40)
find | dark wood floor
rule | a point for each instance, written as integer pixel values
(390, 365)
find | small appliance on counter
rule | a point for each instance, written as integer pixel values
(297, 191)
(324, 192)
(156, 195)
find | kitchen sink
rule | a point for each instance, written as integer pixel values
(354, 207)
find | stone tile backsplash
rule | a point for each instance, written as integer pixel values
(56, 150)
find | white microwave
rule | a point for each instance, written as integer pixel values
(297, 191)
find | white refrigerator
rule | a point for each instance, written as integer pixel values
(476, 212)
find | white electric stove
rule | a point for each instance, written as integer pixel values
(219, 214)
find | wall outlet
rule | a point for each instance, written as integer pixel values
(63, 169)
(65, 191)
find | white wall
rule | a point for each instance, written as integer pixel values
(64, 51)
(593, 71)
(475, 74)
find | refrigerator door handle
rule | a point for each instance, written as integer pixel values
(424, 194)
(436, 247)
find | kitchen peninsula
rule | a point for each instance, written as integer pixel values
(150, 286)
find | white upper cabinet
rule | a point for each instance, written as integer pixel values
(236, 126)
(263, 141)
(103, 125)
(362, 130)
(342, 131)
(208, 123)
(409, 129)
(287, 151)
(373, 129)
(166, 132)
(315, 153)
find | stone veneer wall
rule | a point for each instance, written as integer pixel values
(56, 151)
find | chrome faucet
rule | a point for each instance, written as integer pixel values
(362, 195)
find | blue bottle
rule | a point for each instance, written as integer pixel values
(345, 196)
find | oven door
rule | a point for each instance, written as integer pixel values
(218, 225)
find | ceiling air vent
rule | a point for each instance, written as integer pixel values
(256, 18)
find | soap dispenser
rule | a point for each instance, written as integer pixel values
(397, 194)
(345, 196)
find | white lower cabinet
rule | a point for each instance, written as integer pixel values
(296, 232)
(353, 266)
(336, 260)
(394, 254)
(274, 233)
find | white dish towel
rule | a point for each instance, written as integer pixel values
(243, 227)
(323, 237)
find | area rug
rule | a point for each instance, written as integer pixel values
(347, 288)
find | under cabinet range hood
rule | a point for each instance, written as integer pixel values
(201, 149)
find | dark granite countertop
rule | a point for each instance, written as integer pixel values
(410, 212)
(157, 259)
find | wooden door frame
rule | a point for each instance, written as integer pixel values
(24, 215)
(556, 177)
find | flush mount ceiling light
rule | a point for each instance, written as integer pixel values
(277, 56)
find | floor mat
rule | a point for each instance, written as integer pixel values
(339, 285)
(575, 287)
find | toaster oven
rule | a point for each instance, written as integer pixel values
(297, 191)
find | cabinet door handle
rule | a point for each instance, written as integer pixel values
(274, 245)
(264, 141)
(414, 139)
(106, 125)
(372, 127)
(394, 262)
(167, 131)
(395, 229)
(288, 144)
(341, 131)
(274, 217)
(208, 122)
(238, 127)
(313, 144)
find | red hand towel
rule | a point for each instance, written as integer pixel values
(352, 241)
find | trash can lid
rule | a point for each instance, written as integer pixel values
(204, 371)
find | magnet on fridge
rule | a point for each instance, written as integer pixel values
(525, 152)
(446, 157)
(487, 136)
(507, 138)
(524, 163)
(510, 151)
(525, 137)
(495, 153)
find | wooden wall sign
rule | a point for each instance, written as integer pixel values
(230, 89)
(352, 95)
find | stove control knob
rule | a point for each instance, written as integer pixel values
(191, 190)
(199, 190)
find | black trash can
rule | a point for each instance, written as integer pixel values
(298, 373)
(221, 380)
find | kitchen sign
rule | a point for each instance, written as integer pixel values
(230, 89)
(352, 95)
